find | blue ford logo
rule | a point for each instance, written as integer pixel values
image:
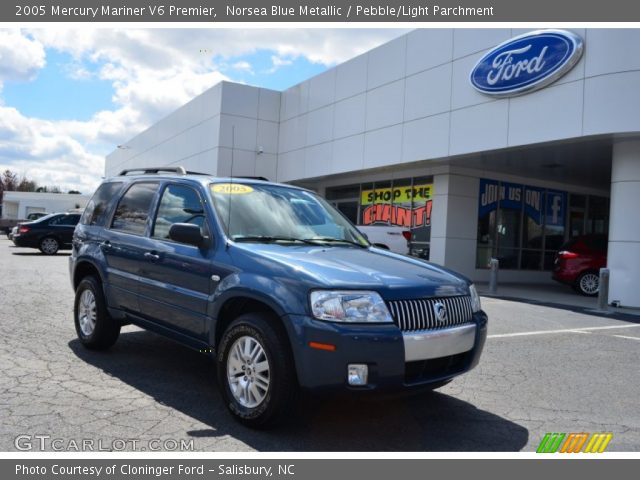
(527, 63)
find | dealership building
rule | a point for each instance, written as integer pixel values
(486, 143)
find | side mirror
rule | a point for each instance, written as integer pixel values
(186, 233)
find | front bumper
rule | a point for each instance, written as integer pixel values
(396, 360)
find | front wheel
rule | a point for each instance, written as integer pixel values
(255, 371)
(94, 326)
(588, 284)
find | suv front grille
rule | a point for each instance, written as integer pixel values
(420, 314)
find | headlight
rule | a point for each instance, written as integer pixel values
(349, 306)
(475, 298)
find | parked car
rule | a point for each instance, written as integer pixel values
(11, 233)
(32, 216)
(388, 237)
(578, 263)
(271, 281)
(49, 234)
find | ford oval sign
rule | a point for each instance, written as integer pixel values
(527, 63)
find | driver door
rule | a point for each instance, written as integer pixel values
(177, 276)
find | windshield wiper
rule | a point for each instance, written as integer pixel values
(335, 240)
(269, 239)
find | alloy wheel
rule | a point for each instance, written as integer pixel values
(87, 313)
(248, 372)
(589, 283)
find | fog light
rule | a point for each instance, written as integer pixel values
(357, 374)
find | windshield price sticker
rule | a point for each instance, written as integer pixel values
(232, 188)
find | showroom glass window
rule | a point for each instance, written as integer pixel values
(523, 226)
(405, 202)
(133, 209)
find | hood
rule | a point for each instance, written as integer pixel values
(393, 276)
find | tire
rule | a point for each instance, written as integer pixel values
(49, 245)
(588, 284)
(95, 328)
(261, 398)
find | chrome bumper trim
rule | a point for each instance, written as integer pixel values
(428, 344)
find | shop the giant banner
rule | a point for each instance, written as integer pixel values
(406, 206)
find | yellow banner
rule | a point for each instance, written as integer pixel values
(417, 193)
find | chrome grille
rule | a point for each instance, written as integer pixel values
(420, 314)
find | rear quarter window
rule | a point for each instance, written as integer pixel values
(95, 211)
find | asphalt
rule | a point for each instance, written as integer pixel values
(544, 369)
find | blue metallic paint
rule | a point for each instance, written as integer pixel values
(178, 304)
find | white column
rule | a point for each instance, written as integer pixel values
(623, 257)
(454, 222)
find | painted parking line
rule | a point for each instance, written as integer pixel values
(627, 337)
(566, 330)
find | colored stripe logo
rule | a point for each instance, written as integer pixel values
(574, 442)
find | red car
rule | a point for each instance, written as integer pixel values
(578, 263)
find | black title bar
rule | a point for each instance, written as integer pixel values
(214, 11)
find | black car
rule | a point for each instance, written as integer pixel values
(49, 234)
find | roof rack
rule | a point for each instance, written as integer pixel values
(179, 171)
(145, 170)
(253, 178)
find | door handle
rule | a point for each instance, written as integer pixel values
(106, 245)
(151, 256)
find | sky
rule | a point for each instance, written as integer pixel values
(69, 96)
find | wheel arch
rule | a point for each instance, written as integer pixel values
(84, 268)
(240, 303)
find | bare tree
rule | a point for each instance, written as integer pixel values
(27, 185)
(10, 180)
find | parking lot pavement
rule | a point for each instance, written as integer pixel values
(543, 370)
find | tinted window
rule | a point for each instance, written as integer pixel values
(46, 219)
(568, 245)
(179, 204)
(133, 209)
(54, 219)
(95, 210)
(597, 243)
(69, 220)
(62, 220)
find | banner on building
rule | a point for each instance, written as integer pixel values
(511, 196)
(406, 206)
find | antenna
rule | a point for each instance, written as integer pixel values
(233, 147)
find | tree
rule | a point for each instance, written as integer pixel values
(74, 192)
(27, 185)
(10, 180)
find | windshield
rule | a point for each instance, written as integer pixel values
(275, 213)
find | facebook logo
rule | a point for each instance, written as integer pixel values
(555, 211)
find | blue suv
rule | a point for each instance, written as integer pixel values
(272, 282)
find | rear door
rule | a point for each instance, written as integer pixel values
(63, 226)
(177, 277)
(125, 243)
